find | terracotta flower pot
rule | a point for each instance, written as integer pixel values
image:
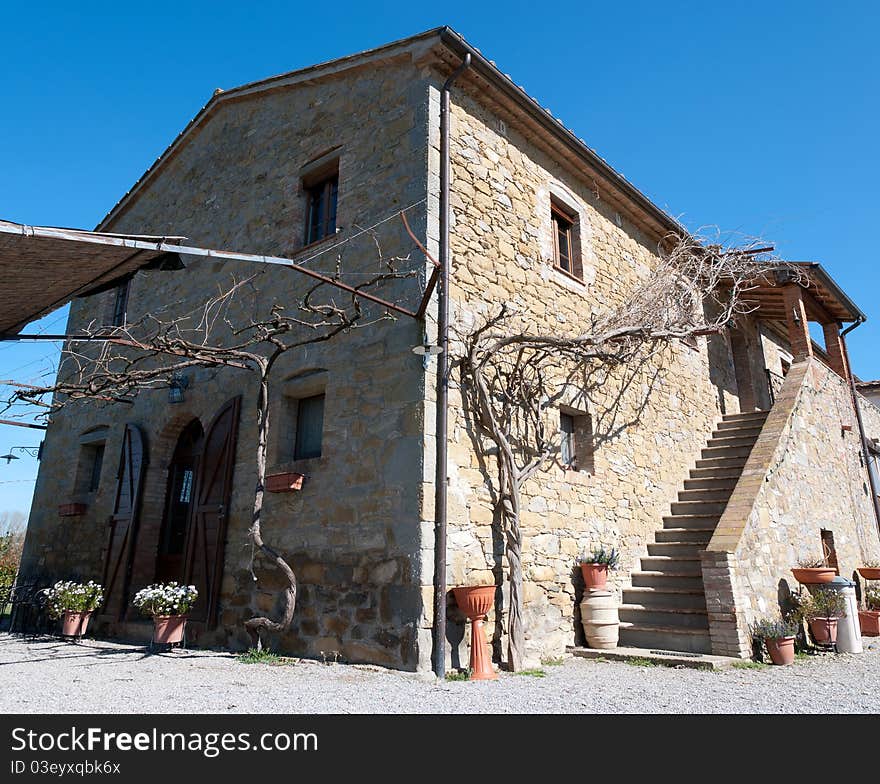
(869, 622)
(475, 601)
(814, 576)
(781, 650)
(73, 624)
(168, 628)
(869, 573)
(595, 575)
(824, 630)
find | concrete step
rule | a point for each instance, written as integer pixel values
(709, 508)
(747, 424)
(666, 597)
(710, 482)
(719, 464)
(713, 495)
(665, 638)
(684, 565)
(642, 616)
(691, 521)
(734, 440)
(664, 581)
(736, 430)
(747, 416)
(710, 452)
(676, 549)
(698, 535)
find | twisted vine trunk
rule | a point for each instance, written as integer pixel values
(509, 502)
(262, 624)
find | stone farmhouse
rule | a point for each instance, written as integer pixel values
(746, 457)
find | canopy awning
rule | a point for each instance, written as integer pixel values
(43, 268)
(826, 301)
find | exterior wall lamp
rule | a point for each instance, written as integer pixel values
(33, 451)
(176, 385)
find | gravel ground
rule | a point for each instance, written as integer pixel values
(52, 676)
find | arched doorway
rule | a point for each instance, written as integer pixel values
(179, 503)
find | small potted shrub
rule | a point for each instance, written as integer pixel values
(822, 610)
(167, 604)
(74, 604)
(778, 637)
(595, 566)
(870, 571)
(813, 571)
(869, 618)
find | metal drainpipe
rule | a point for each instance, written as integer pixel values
(440, 478)
(866, 453)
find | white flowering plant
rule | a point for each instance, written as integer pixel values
(68, 596)
(165, 599)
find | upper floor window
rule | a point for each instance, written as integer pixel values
(577, 446)
(120, 304)
(309, 427)
(321, 208)
(566, 240)
(91, 460)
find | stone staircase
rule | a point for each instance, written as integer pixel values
(665, 609)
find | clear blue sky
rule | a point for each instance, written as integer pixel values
(755, 117)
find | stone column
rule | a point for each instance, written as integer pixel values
(796, 319)
(834, 349)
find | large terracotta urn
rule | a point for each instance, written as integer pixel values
(475, 601)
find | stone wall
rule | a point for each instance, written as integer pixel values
(804, 475)
(645, 440)
(353, 530)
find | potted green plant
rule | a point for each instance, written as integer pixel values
(74, 604)
(821, 611)
(813, 571)
(777, 636)
(167, 604)
(870, 571)
(869, 618)
(595, 566)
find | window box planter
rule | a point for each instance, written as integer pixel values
(71, 510)
(815, 576)
(284, 483)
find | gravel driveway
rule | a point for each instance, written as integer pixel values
(52, 676)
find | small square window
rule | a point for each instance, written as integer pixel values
(309, 427)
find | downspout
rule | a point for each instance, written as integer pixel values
(866, 452)
(440, 478)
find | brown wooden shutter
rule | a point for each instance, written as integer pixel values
(122, 526)
(206, 538)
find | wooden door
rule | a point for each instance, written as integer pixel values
(179, 503)
(206, 538)
(123, 523)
